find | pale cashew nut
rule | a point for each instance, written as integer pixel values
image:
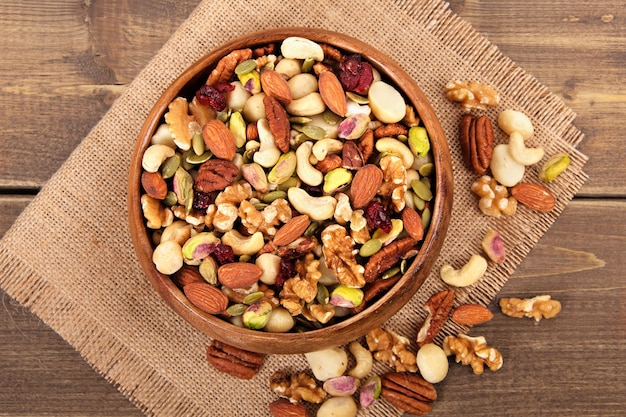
(306, 172)
(324, 147)
(163, 136)
(268, 152)
(520, 153)
(364, 360)
(168, 257)
(395, 147)
(471, 272)
(309, 105)
(296, 47)
(514, 121)
(154, 156)
(317, 208)
(243, 245)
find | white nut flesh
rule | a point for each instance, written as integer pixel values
(327, 363)
(520, 153)
(432, 363)
(504, 168)
(317, 208)
(386, 102)
(514, 121)
(296, 47)
(471, 272)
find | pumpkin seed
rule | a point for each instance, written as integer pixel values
(274, 195)
(291, 182)
(245, 67)
(311, 229)
(331, 118)
(307, 65)
(197, 143)
(170, 199)
(370, 247)
(314, 132)
(357, 98)
(390, 273)
(199, 159)
(301, 120)
(426, 217)
(418, 202)
(236, 309)
(427, 169)
(323, 296)
(422, 190)
(169, 167)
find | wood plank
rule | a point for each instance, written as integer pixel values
(556, 367)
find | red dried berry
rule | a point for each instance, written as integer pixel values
(377, 217)
(201, 201)
(223, 254)
(214, 96)
(354, 74)
(286, 270)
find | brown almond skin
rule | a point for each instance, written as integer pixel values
(284, 408)
(238, 274)
(535, 196)
(332, 93)
(365, 185)
(291, 230)
(206, 297)
(275, 85)
(219, 140)
(413, 223)
(471, 314)
(187, 275)
(154, 184)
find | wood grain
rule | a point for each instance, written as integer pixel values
(65, 61)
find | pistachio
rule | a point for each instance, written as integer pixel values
(284, 168)
(336, 179)
(251, 81)
(353, 127)
(237, 127)
(397, 226)
(343, 296)
(208, 270)
(183, 187)
(554, 166)
(494, 246)
(199, 246)
(341, 386)
(257, 315)
(418, 141)
(255, 175)
(370, 391)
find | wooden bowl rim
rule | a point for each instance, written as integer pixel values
(352, 327)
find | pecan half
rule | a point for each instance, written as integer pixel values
(408, 392)
(225, 68)
(278, 121)
(439, 306)
(386, 258)
(366, 144)
(392, 129)
(237, 362)
(476, 136)
(215, 175)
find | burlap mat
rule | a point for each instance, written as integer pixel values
(69, 257)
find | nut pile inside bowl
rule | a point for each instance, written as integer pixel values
(291, 190)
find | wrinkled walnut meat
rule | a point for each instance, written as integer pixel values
(296, 387)
(473, 351)
(472, 94)
(392, 349)
(494, 198)
(541, 306)
(340, 256)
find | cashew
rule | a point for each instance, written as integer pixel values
(270, 265)
(309, 105)
(364, 360)
(317, 208)
(504, 168)
(268, 152)
(326, 146)
(168, 257)
(302, 84)
(395, 147)
(386, 102)
(306, 172)
(243, 245)
(520, 153)
(163, 136)
(514, 121)
(327, 363)
(296, 47)
(154, 156)
(471, 272)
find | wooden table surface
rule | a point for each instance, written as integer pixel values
(63, 62)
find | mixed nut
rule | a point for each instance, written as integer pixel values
(294, 182)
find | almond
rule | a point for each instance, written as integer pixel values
(154, 184)
(187, 275)
(206, 297)
(534, 196)
(471, 314)
(413, 223)
(278, 121)
(365, 185)
(275, 85)
(284, 408)
(292, 230)
(332, 93)
(238, 274)
(219, 140)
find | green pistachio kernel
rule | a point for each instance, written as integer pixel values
(343, 296)
(257, 315)
(336, 179)
(237, 127)
(284, 168)
(418, 141)
(554, 167)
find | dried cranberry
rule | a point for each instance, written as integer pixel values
(312, 190)
(286, 270)
(201, 201)
(214, 96)
(377, 217)
(354, 74)
(223, 253)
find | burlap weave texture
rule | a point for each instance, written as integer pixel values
(88, 286)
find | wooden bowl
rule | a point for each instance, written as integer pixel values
(379, 311)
